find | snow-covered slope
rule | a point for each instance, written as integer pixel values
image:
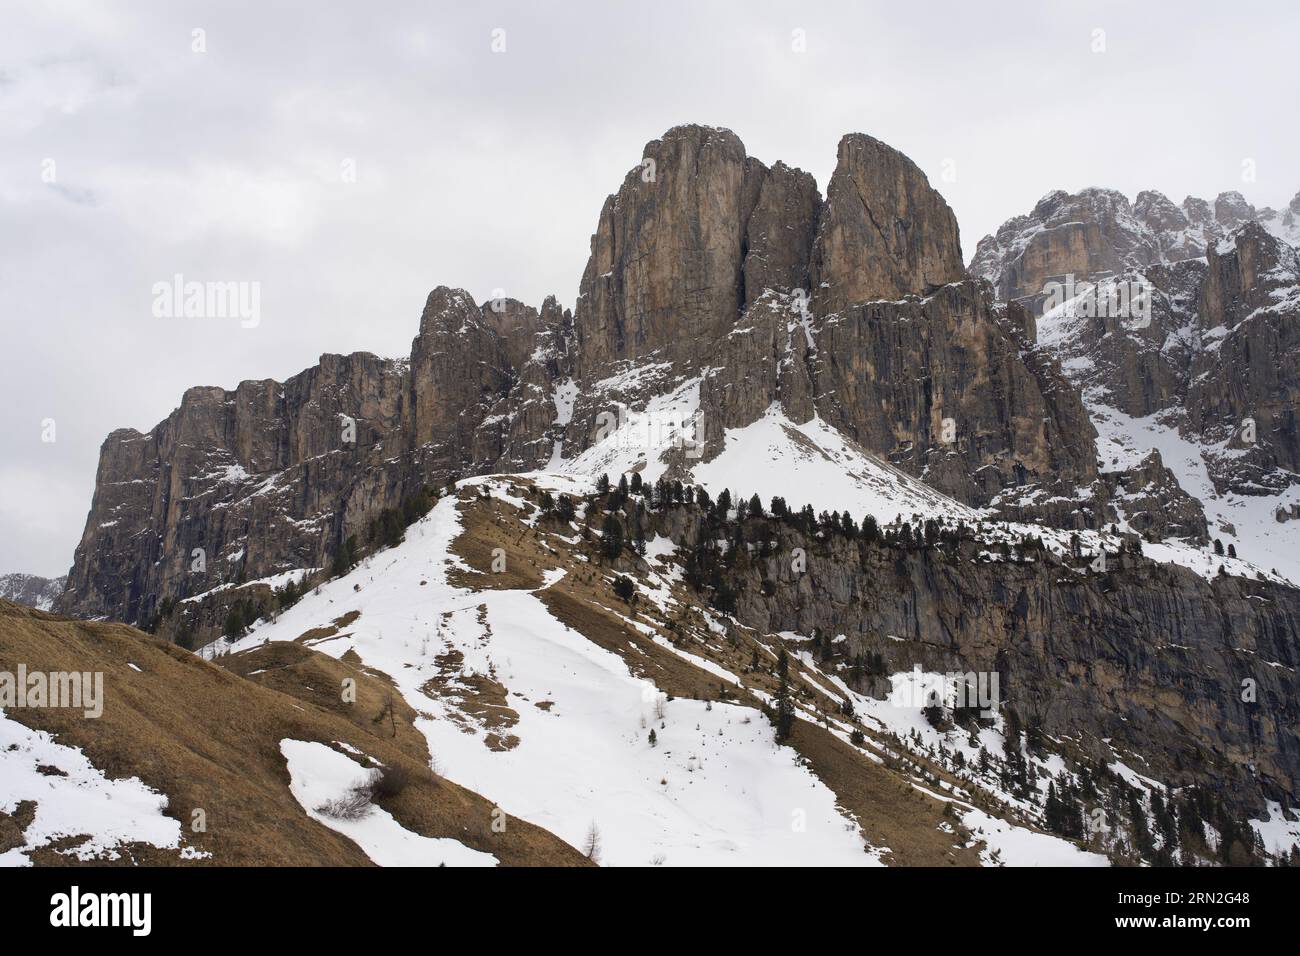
(714, 790)
(1248, 522)
(71, 798)
(566, 741)
(814, 462)
(320, 774)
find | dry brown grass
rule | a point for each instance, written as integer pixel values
(209, 738)
(491, 523)
(479, 697)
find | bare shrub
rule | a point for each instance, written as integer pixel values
(388, 782)
(353, 805)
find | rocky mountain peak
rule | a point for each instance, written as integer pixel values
(692, 308)
(885, 232)
(1158, 213)
(675, 257)
(1231, 209)
(31, 590)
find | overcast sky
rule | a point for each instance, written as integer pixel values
(486, 170)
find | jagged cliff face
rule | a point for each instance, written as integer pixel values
(1248, 369)
(697, 232)
(1143, 659)
(885, 232)
(830, 309)
(718, 287)
(31, 590)
(272, 477)
(1098, 232)
(1211, 376)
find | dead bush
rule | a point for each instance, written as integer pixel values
(388, 782)
(353, 805)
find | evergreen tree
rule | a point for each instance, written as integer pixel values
(345, 559)
(870, 529)
(234, 625)
(612, 536)
(784, 705)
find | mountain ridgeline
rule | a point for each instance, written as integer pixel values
(720, 289)
(706, 266)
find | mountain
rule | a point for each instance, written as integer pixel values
(1098, 232)
(734, 536)
(31, 590)
(695, 305)
(1204, 389)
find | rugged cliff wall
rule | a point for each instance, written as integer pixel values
(1196, 677)
(1210, 373)
(710, 273)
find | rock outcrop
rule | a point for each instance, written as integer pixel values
(885, 233)
(1097, 233)
(31, 590)
(1208, 372)
(1143, 658)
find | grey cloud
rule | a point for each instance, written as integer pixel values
(488, 170)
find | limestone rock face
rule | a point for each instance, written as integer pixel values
(1096, 233)
(668, 251)
(244, 485)
(1213, 362)
(720, 286)
(1142, 658)
(1136, 368)
(766, 359)
(949, 388)
(780, 233)
(31, 590)
(1245, 385)
(233, 484)
(1151, 501)
(460, 367)
(884, 233)
(1231, 210)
